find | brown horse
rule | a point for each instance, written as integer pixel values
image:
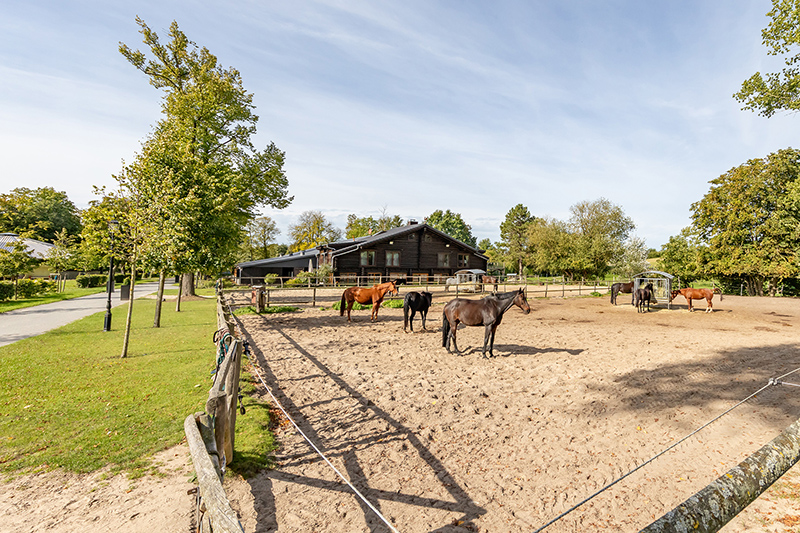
(490, 280)
(487, 312)
(364, 295)
(697, 294)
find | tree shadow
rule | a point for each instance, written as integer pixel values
(266, 511)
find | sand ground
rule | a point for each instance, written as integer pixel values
(578, 394)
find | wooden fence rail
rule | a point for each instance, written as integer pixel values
(211, 434)
(714, 506)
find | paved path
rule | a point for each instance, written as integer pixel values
(24, 323)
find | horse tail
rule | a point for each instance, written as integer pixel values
(445, 329)
(718, 290)
(341, 307)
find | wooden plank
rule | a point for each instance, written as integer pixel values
(223, 519)
(714, 506)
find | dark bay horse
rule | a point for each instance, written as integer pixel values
(617, 288)
(365, 295)
(643, 295)
(487, 312)
(697, 294)
(416, 301)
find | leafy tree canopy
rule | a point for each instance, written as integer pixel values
(363, 226)
(750, 220)
(312, 230)
(777, 91)
(453, 225)
(199, 178)
(682, 256)
(40, 213)
(514, 232)
(259, 242)
(601, 229)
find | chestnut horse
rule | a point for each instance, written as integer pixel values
(697, 294)
(487, 312)
(364, 295)
(490, 280)
(617, 288)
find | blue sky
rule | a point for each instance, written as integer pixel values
(414, 106)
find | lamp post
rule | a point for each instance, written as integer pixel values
(112, 225)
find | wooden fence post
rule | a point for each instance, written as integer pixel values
(715, 505)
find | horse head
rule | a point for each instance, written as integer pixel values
(673, 294)
(393, 290)
(521, 301)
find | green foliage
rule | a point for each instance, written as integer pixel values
(28, 288)
(364, 226)
(15, 260)
(633, 259)
(514, 232)
(6, 290)
(452, 224)
(777, 91)
(600, 229)
(61, 256)
(71, 290)
(396, 303)
(91, 280)
(259, 239)
(312, 230)
(551, 244)
(198, 179)
(682, 256)
(750, 221)
(41, 213)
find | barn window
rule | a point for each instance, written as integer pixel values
(392, 258)
(428, 237)
(463, 260)
(368, 258)
(444, 260)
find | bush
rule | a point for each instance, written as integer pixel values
(91, 280)
(6, 290)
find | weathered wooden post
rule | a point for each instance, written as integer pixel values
(314, 297)
(714, 506)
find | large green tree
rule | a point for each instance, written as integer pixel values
(453, 225)
(16, 259)
(514, 232)
(40, 213)
(552, 246)
(682, 256)
(311, 230)
(259, 240)
(199, 178)
(777, 91)
(363, 226)
(750, 220)
(601, 229)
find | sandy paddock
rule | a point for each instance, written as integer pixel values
(579, 393)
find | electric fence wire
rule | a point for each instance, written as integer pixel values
(300, 431)
(770, 383)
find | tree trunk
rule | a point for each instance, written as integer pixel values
(130, 313)
(161, 279)
(178, 301)
(187, 284)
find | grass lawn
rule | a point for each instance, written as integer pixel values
(69, 401)
(72, 291)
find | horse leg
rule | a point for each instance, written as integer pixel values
(487, 333)
(405, 319)
(423, 313)
(710, 306)
(453, 328)
(374, 316)
(413, 313)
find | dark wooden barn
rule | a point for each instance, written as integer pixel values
(413, 251)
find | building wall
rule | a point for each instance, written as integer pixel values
(419, 254)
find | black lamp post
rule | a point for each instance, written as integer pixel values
(112, 225)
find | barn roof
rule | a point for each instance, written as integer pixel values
(643, 274)
(37, 249)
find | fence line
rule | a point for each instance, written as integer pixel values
(211, 435)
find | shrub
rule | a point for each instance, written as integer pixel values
(6, 290)
(91, 280)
